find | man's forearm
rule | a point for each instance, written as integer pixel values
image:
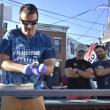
(86, 74)
(11, 66)
(102, 71)
(50, 63)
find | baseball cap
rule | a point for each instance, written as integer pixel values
(81, 47)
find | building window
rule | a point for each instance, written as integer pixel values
(57, 44)
(72, 48)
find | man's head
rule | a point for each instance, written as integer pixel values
(28, 16)
(100, 52)
(81, 49)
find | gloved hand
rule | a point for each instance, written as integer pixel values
(41, 69)
(27, 69)
(34, 69)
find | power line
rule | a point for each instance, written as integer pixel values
(94, 23)
(8, 2)
(83, 35)
(77, 15)
(65, 20)
(59, 13)
(68, 17)
(14, 21)
(16, 2)
(88, 21)
(63, 16)
(78, 25)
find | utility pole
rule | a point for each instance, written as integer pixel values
(100, 42)
(108, 2)
(1, 20)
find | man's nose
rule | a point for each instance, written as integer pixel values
(98, 53)
(29, 25)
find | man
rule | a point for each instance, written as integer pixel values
(78, 71)
(102, 69)
(27, 50)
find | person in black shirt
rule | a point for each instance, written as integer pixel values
(79, 71)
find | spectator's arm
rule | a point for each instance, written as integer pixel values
(99, 71)
(88, 73)
(72, 73)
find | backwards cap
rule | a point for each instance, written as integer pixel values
(81, 47)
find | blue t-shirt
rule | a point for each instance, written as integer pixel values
(25, 50)
(103, 82)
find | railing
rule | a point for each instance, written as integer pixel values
(54, 92)
(91, 104)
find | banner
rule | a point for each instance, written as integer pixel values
(90, 55)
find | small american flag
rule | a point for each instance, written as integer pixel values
(90, 55)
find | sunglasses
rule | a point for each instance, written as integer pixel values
(26, 23)
(81, 51)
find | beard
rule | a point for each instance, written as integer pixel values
(101, 57)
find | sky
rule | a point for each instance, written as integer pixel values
(86, 19)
